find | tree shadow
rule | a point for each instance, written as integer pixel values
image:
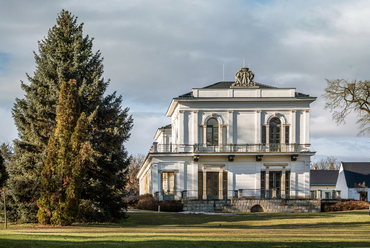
(170, 243)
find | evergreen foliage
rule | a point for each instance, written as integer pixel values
(63, 55)
(3, 173)
(68, 154)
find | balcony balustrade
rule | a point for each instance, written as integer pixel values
(230, 148)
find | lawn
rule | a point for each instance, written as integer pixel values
(151, 229)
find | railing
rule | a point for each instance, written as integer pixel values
(326, 194)
(230, 148)
(211, 194)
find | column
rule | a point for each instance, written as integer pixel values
(220, 136)
(293, 138)
(282, 137)
(220, 184)
(182, 177)
(155, 185)
(160, 183)
(267, 182)
(204, 185)
(195, 128)
(194, 186)
(205, 135)
(267, 136)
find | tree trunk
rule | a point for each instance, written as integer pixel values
(6, 223)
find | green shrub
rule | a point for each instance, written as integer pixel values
(148, 202)
(171, 206)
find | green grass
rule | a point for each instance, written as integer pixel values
(150, 229)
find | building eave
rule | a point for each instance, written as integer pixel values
(175, 101)
(189, 154)
(245, 99)
(172, 107)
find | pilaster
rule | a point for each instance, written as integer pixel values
(258, 127)
(307, 127)
(293, 136)
(230, 138)
(180, 126)
(195, 128)
(283, 193)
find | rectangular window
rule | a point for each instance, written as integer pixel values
(327, 195)
(263, 134)
(287, 183)
(224, 183)
(200, 185)
(313, 194)
(286, 134)
(168, 182)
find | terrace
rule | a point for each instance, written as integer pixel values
(230, 148)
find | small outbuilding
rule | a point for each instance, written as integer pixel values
(354, 180)
(323, 184)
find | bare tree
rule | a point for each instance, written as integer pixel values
(328, 163)
(134, 167)
(344, 97)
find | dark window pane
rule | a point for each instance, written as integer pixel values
(287, 135)
(212, 132)
(263, 134)
(274, 134)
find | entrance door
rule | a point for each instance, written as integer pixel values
(168, 186)
(363, 196)
(275, 183)
(212, 185)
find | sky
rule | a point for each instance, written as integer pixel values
(156, 50)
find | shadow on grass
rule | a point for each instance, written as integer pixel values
(241, 220)
(170, 243)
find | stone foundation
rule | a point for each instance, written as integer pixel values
(260, 205)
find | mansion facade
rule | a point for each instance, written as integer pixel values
(232, 139)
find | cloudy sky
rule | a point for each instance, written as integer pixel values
(156, 50)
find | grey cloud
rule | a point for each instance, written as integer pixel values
(157, 50)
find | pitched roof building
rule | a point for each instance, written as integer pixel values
(325, 182)
(354, 180)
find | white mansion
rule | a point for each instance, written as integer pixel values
(232, 139)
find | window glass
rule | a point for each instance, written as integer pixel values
(168, 182)
(286, 134)
(274, 135)
(263, 134)
(212, 132)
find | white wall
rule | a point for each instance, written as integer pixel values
(342, 184)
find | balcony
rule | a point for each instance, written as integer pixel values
(230, 148)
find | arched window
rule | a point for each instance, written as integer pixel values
(212, 132)
(275, 130)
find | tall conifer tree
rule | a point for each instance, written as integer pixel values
(68, 153)
(63, 55)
